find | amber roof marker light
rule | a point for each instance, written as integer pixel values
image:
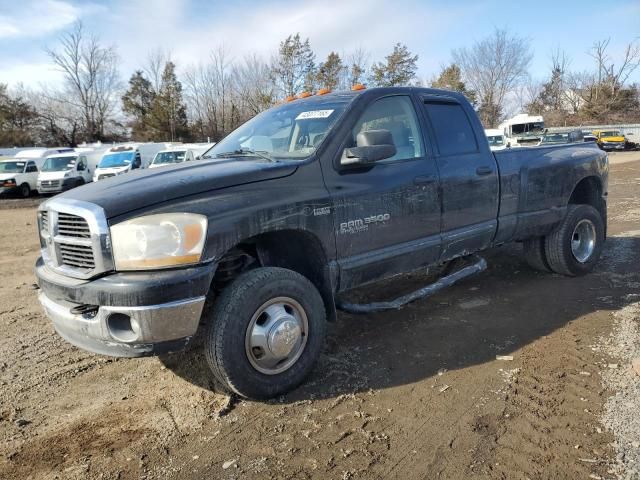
(323, 91)
(358, 86)
(305, 94)
(291, 98)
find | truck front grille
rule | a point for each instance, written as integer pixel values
(106, 175)
(75, 238)
(50, 183)
(73, 226)
(44, 220)
(78, 256)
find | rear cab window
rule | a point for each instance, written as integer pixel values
(452, 128)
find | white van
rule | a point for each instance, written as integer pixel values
(38, 155)
(18, 176)
(496, 138)
(172, 156)
(63, 171)
(116, 161)
(124, 158)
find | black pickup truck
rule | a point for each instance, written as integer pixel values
(255, 242)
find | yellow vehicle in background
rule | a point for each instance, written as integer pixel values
(610, 139)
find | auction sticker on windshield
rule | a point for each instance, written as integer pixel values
(314, 114)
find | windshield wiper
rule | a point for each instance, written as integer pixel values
(246, 152)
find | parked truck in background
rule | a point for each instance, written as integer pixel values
(496, 139)
(255, 245)
(523, 130)
(610, 139)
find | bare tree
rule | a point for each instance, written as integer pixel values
(252, 87)
(91, 79)
(209, 95)
(492, 68)
(154, 66)
(357, 63)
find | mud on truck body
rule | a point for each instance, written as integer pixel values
(251, 246)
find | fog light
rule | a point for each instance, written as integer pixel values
(123, 328)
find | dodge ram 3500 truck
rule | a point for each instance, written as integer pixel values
(307, 200)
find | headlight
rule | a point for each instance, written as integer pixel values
(158, 241)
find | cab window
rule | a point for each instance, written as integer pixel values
(452, 128)
(31, 167)
(397, 115)
(82, 164)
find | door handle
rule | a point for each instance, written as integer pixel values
(424, 179)
(484, 170)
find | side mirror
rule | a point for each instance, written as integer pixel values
(371, 146)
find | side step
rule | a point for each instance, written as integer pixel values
(426, 291)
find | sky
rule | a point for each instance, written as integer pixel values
(191, 29)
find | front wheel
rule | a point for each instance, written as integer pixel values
(575, 246)
(25, 190)
(265, 333)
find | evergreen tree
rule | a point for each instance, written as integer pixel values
(450, 78)
(293, 69)
(137, 102)
(18, 120)
(330, 72)
(169, 113)
(398, 69)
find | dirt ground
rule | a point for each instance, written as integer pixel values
(416, 393)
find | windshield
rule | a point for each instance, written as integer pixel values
(556, 138)
(12, 167)
(120, 159)
(496, 140)
(611, 133)
(291, 131)
(58, 164)
(169, 157)
(527, 128)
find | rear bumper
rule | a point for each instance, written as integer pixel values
(126, 314)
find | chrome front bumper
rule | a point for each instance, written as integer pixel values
(127, 331)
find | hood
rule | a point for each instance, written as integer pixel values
(7, 176)
(144, 188)
(112, 169)
(616, 139)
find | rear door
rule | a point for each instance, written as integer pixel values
(387, 214)
(468, 175)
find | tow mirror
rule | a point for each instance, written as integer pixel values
(371, 146)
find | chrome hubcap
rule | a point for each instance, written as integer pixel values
(583, 240)
(276, 336)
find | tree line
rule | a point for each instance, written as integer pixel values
(209, 99)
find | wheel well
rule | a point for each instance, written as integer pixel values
(588, 191)
(295, 250)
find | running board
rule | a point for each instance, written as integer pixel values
(444, 282)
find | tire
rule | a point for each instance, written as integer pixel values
(535, 255)
(565, 259)
(25, 190)
(239, 366)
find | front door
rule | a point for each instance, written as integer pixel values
(387, 215)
